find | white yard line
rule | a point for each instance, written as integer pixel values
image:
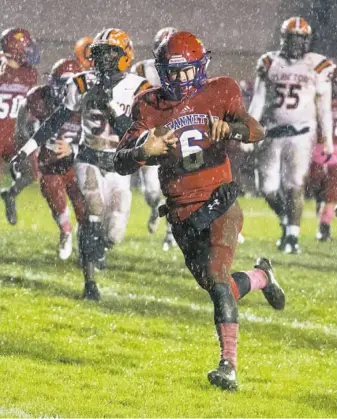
(328, 329)
(247, 315)
(270, 214)
(14, 411)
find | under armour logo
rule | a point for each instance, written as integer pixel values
(238, 136)
(186, 109)
(215, 203)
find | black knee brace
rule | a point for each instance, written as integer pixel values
(225, 307)
(91, 241)
(242, 281)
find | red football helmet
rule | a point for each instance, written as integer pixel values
(60, 73)
(177, 52)
(18, 45)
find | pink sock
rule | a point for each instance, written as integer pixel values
(327, 214)
(63, 221)
(66, 227)
(228, 337)
(257, 278)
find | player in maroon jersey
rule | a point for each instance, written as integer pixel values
(57, 154)
(19, 56)
(184, 126)
(323, 176)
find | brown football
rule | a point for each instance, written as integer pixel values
(158, 131)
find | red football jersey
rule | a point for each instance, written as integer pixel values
(191, 172)
(14, 85)
(40, 105)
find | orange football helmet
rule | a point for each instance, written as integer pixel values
(112, 50)
(296, 34)
(83, 52)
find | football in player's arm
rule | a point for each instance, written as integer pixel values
(183, 126)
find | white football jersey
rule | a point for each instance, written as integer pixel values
(147, 69)
(85, 93)
(291, 89)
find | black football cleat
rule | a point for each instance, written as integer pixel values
(91, 291)
(272, 292)
(9, 201)
(224, 376)
(281, 242)
(153, 223)
(292, 246)
(324, 233)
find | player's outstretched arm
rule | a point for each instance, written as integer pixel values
(47, 129)
(259, 99)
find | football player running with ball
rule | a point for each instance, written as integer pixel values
(292, 95)
(183, 126)
(104, 96)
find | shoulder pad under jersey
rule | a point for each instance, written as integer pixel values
(133, 81)
(138, 69)
(318, 62)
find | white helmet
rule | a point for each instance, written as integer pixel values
(161, 35)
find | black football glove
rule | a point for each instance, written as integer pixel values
(15, 164)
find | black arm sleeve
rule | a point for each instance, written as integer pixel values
(121, 124)
(239, 132)
(127, 161)
(51, 125)
(239, 129)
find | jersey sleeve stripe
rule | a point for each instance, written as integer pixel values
(143, 86)
(322, 65)
(81, 84)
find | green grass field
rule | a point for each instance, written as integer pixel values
(145, 349)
